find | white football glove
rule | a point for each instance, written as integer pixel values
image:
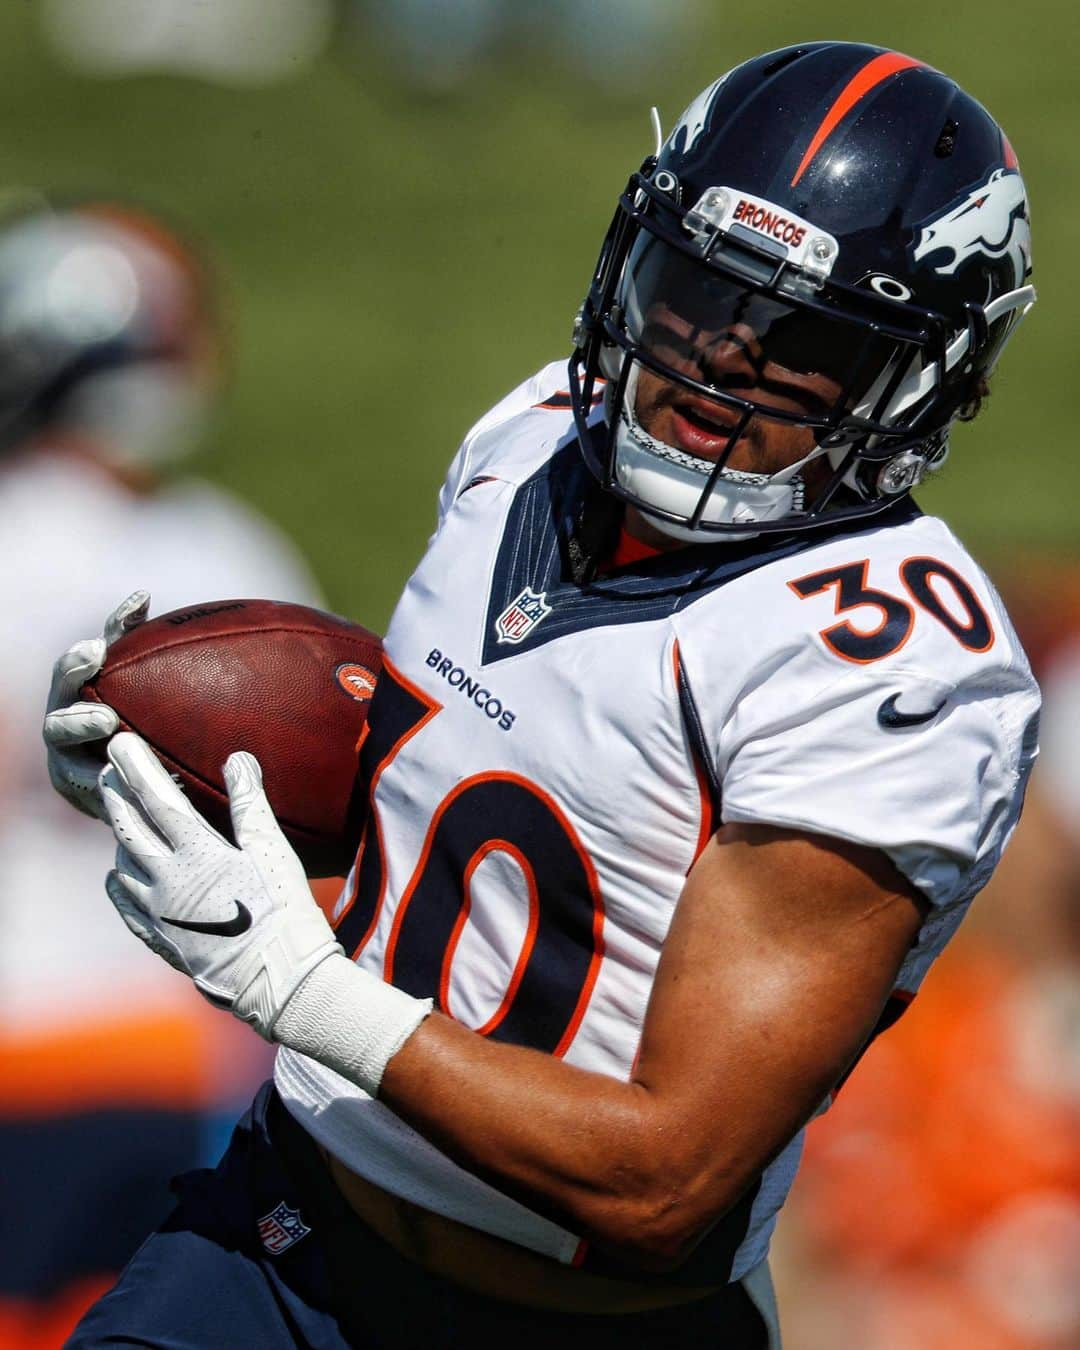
(69, 727)
(242, 922)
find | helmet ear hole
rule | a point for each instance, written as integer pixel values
(946, 141)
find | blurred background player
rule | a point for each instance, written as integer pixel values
(114, 1077)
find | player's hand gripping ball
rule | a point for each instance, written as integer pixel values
(240, 922)
(287, 683)
(74, 730)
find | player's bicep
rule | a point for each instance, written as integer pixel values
(782, 953)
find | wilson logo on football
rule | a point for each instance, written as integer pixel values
(357, 681)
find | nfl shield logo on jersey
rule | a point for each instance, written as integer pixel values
(522, 615)
(281, 1229)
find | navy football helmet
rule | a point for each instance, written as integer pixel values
(835, 240)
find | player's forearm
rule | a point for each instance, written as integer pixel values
(602, 1156)
(598, 1154)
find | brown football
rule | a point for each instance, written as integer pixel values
(290, 684)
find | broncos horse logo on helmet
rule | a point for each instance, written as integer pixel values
(992, 220)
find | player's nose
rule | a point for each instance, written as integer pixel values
(735, 351)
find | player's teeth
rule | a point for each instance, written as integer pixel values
(696, 416)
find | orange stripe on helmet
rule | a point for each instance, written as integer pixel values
(860, 84)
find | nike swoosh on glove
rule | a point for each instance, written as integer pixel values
(71, 726)
(240, 921)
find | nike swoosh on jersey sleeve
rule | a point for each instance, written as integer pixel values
(890, 716)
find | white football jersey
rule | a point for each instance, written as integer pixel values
(548, 759)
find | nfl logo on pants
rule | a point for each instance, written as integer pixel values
(281, 1229)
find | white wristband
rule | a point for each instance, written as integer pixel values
(351, 1021)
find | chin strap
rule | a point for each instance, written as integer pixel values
(672, 480)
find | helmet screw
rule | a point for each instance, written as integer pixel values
(901, 473)
(822, 248)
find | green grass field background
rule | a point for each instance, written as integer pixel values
(396, 263)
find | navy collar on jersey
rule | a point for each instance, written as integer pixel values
(532, 554)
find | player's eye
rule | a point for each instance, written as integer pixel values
(809, 345)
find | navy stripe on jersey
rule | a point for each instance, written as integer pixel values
(698, 745)
(533, 550)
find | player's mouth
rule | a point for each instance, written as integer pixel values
(701, 427)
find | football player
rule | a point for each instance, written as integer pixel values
(113, 1078)
(695, 740)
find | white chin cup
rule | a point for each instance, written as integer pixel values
(672, 480)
